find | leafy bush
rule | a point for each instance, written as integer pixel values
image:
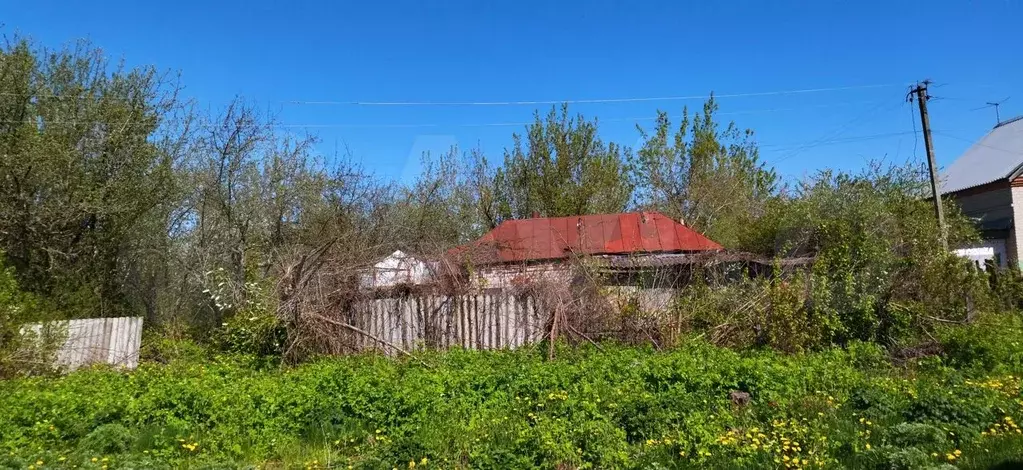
(923, 436)
(878, 273)
(612, 408)
(20, 352)
(108, 439)
(984, 346)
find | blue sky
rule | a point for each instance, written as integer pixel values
(274, 53)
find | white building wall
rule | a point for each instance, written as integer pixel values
(398, 268)
(512, 275)
(987, 250)
(995, 204)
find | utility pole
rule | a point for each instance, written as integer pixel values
(920, 90)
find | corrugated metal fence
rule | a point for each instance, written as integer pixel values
(113, 341)
(481, 321)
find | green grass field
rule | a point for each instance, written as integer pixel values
(615, 408)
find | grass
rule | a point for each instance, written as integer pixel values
(617, 408)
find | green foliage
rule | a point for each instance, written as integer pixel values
(158, 347)
(984, 346)
(261, 334)
(108, 439)
(877, 272)
(924, 436)
(901, 458)
(87, 183)
(21, 351)
(616, 408)
(562, 169)
(712, 179)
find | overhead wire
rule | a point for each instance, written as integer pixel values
(837, 131)
(585, 101)
(488, 124)
(842, 140)
(974, 142)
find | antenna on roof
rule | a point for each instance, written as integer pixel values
(994, 104)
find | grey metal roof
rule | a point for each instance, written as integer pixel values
(998, 155)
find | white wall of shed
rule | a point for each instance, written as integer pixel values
(987, 250)
(512, 275)
(397, 268)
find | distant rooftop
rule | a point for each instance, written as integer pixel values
(537, 239)
(996, 156)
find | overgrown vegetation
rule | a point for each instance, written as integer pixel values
(241, 246)
(698, 406)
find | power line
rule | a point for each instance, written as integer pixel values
(835, 133)
(585, 101)
(838, 141)
(441, 125)
(974, 142)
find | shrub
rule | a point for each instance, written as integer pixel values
(21, 353)
(903, 458)
(923, 436)
(108, 439)
(992, 343)
(612, 408)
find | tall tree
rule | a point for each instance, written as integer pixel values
(562, 168)
(87, 184)
(712, 179)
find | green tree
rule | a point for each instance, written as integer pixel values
(711, 179)
(87, 180)
(562, 168)
(876, 253)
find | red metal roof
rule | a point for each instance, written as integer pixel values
(605, 234)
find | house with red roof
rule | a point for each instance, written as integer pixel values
(524, 251)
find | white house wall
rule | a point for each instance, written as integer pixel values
(515, 275)
(398, 268)
(986, 250)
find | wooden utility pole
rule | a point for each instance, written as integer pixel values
(921, 98)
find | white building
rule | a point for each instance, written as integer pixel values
(398, 268)
(987, 183)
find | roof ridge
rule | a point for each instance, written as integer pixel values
(603, 214)
(1008, 121)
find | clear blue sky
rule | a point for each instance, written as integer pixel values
(481, 51)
